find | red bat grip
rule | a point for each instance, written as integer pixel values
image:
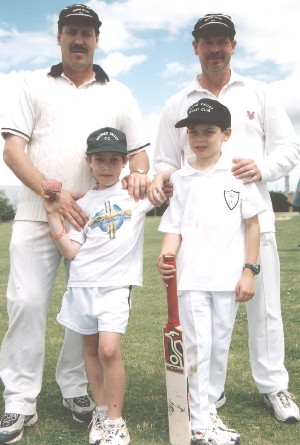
(172, 298)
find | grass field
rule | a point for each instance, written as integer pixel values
(145, 406)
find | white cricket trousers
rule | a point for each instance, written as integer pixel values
(266, 336)
(34, 260)
(207, 319)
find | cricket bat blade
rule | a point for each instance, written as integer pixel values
(176, 369)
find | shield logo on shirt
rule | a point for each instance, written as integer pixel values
(231, 198)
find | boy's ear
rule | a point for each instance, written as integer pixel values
(125, 160)
(88, 159)
(227, 134)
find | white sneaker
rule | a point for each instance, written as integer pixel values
(283, 406)
(116, 433)
(97, 427)
(81, 408)
(219, 425)
(12, 426)
(199, 438)
(218, 437)
(221, 400)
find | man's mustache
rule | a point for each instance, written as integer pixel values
(214, 56)
(78, 48)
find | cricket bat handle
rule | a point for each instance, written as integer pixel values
(172, 298)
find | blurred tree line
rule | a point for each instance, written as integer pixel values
(7, 212)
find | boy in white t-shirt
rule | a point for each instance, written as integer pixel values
(212, 223)
(106, 260)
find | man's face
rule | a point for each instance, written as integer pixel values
(78, 44)
(214, 51)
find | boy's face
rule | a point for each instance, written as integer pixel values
(106, 167)
(206, 140)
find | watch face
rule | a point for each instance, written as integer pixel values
(254, 267)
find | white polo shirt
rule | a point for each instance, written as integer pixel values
(261, 130)
(56, 118)
(111, 252)
(207, 210)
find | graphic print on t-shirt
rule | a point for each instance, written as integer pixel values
(110, 219)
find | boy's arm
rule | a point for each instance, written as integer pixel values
(59, 234)
(245, 286)
(155, 190)
(170, 245)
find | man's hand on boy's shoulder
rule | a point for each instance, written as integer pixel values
(246, 169)
(137, 184)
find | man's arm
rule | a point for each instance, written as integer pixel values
(137, 183)
(167, 152)
(282, 146)
(16, 158)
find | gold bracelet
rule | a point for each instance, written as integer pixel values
(59, 235)
(42, 194)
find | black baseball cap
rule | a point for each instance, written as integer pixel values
(214, 21)
(207, 111)
(79, 13)
(106, 139)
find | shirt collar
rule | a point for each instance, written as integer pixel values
(100, 74)
(195, 86)
(188, 170)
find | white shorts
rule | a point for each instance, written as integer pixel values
(96, 309)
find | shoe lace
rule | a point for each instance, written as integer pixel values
(82, 401)
(97, 420)
(284, 398)
(9, 419)
(218, 423)
(112, 431)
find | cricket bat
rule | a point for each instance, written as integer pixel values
(176, 369)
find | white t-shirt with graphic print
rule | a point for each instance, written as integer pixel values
(111, 252)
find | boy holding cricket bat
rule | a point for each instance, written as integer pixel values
(212, 225)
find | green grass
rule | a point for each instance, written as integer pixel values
(145, 406)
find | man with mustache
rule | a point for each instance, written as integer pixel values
(263, 147)
(45, 137)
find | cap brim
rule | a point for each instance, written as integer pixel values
(192, 121)
(195, 121)
(93, 150)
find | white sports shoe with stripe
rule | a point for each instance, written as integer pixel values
(284, 408)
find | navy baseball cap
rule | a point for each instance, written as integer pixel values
(207, 111)
(106, 139)
(79, 13)
(214, 21)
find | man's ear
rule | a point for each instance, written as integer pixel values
(195, 46)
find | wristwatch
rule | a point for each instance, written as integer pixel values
(140, 171)
(254, 267)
